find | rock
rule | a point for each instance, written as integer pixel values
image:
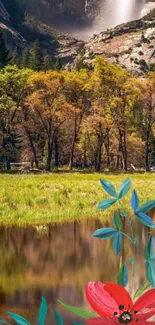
(131, 45)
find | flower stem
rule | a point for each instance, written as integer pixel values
(134, 252)
(123, 233)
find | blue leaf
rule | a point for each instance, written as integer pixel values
(124, 188)
(152, 259)
(134, 201)
(42, 312)
(150, 273)
(149, 248)
(117, 243)
(108, 187)
(104, 233)
(131, 261)
(2, 321)
(122, 276)
(147, 206)
(144, 219)
(58, 317)
(106, 203)
(18, 319)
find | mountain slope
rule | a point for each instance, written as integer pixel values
(130, 45)
(21, 32)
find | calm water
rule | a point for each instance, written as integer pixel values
(57, 262)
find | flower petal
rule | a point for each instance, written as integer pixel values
(100, 321)
(100, 300)
(145, 322)
(145, 316)
(119, 294)
(145, 300)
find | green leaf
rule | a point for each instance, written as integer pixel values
(75, 323)
(140, 290)
(78, 311)
(123, 214)
(108, 187)
(42, 312)
(105, 204)
(122, 276)
(18, 319)
(124, 188)
(58, 317)
(134, 241)
(117, 221)
(150, 273)
(104, 233)
(149, 248)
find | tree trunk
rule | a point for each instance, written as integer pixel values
(32, 147)
(56, 150)
(147, 149)
(49, 155)
(70, 166)
(119, 149)
(125, 154)
(85, 154)
(99, 153)
(8, 166)
(107, 147)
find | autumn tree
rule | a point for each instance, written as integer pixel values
(148, 115)
(118, 91)
(76, 93)
(46, 99)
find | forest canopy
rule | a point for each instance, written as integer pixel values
(103, 118)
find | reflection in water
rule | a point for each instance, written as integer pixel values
(57, 262)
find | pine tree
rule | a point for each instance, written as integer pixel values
(26, 58)
(47, 63)
(36, 58)
(58, 65)
(4, 53)
(15, 60)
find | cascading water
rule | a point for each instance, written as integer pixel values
(115, 12)
(112, 13)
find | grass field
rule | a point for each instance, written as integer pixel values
(38, 199)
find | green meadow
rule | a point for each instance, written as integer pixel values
(51, 198)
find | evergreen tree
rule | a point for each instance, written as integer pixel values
(58, 65)
(15, 60)
(4, 53)
(26, 58)
(47, 63)
(36, 58)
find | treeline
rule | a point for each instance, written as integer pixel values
(103, 118)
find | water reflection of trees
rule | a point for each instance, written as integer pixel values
(57, 262)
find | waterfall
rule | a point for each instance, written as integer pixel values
(115, 12)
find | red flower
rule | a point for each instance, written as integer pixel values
(115, 306)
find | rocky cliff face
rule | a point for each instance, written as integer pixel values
(130, 45)
(20, 32)
(60, 14)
